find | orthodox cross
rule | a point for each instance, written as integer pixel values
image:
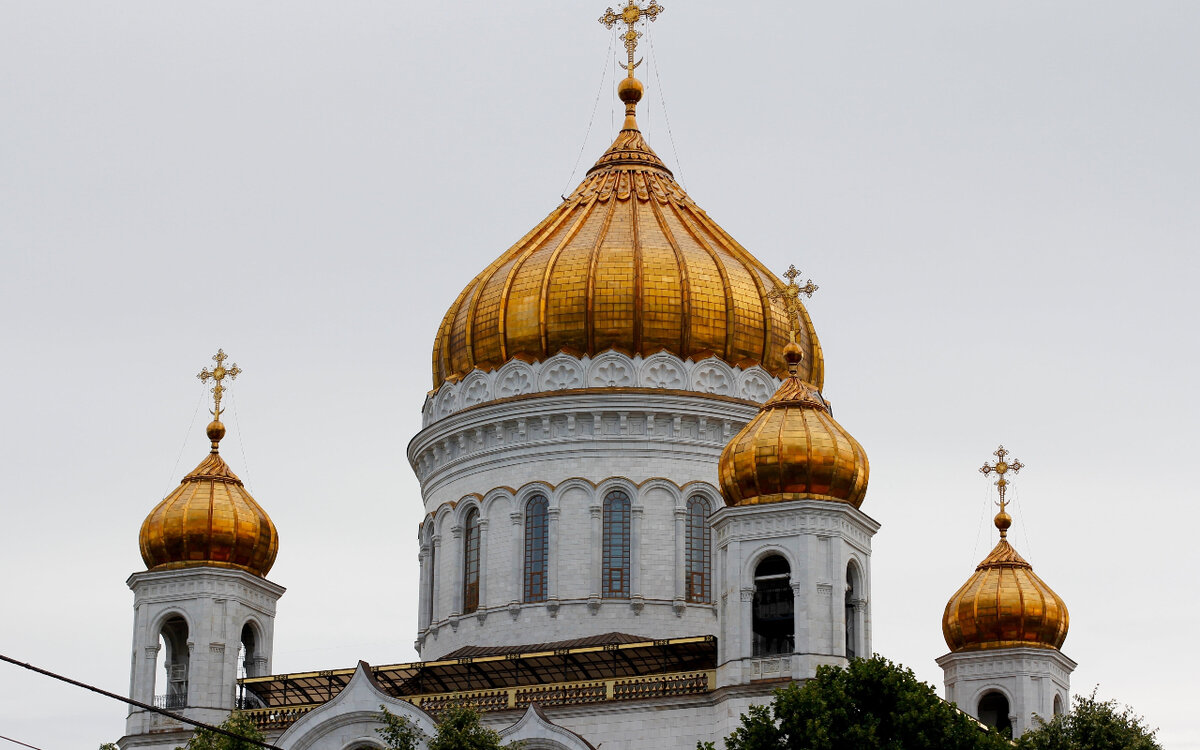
(1000, 468)
(790, 295)
(631, 15)
(217, 374)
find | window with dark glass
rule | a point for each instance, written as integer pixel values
(431, 561)
(774, 622)
(537, 547)
(615, 570)
(851, 651)
(471, 562)
(699, 563)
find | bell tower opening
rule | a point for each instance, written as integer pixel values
(175, 659)
(993, 711)
(774, 621)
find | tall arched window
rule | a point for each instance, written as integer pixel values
(431, 561)
(615, 569)
(774, 621)
(699, 563)
(537, 547)
(471, 561)
(851, 630)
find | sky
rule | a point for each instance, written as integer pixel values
(1000, 202)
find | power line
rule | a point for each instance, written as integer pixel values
(18, 742)
(139, 704)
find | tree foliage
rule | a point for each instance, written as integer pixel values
(457, 729)
(872, 704)
(1092, 724)
(239, 724)
(397, 732)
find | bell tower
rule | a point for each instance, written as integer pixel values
(1005, 628)
(204, 611)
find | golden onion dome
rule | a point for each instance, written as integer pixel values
(793, 449)
(1004, 604)
(627, 262)
(209, 520)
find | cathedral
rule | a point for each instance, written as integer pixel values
(641, 516)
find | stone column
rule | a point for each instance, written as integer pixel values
(597, 557)
(426, 591)
(483, 562)
(456, 565)
(681, 569)
(552, 563)
(635, 551)
(518, 558)
(435, 580)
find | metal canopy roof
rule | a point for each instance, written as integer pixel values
(498, 670)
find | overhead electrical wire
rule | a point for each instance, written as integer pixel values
(139, 704)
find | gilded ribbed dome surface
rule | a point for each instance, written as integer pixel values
(209, 520)
(627, 262)
(793, 449)
(1004, 605)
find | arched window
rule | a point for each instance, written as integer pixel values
(774, 621)
(615, 570)
(175, 658)
(471, 561)
(249, 658)
(1058, 705)
(537, 547)
(698, 559)
(993, 711)
(431, 561)
(851, 619)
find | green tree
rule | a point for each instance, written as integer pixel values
(397, 732)
(457, 729)
(239, 724)
(1092, 724)
(872, 704)
(109, 746)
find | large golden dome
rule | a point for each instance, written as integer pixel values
(628, 262)
(1004, 605)
(793, 449)
(209, 520)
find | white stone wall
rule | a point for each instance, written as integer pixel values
(1030, 678)
(216, 603)
(660, 446)
(821, 541)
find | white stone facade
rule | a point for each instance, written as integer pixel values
(573, 444)
(202, 615)
(827, 549)
(1035, 682)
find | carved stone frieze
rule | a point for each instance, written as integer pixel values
(608, 370)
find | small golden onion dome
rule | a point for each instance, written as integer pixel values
(1004, 605)
(629, 262)
(209, 520)
(793, 450)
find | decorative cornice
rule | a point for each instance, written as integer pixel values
(611, 369)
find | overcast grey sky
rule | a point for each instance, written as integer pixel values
(999, 201)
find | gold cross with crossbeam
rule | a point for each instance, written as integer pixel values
(790, 295)
(1000, 469)
(631, 15)
(217, 374)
